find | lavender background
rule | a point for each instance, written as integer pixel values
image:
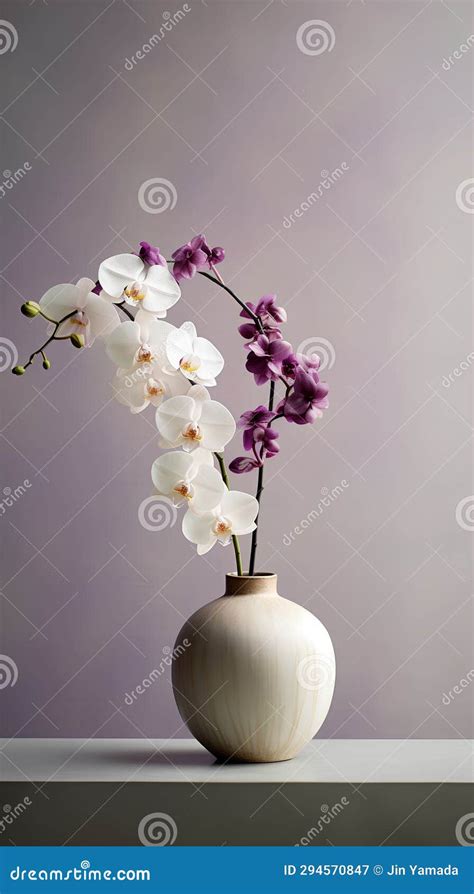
(244, 124)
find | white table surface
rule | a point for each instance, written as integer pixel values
(184, 760)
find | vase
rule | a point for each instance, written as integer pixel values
(255, 677)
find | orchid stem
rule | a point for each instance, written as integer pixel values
(124, 310)
(52, 337)
(219, 282)
(258, 495)
(235, 540)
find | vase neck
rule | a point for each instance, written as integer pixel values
(251, 585)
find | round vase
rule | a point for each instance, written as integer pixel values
(255, 679)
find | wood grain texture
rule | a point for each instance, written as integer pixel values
(257, 681)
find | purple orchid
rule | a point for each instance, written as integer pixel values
(265, 438)
(189, 258)
(151, 255)
(266, 357)
(242, 464)
(252, 419)
(269, 314)
(294, 362)
(307, 399)
(194, 255)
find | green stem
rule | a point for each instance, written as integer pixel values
(235, 540)
(258, 495)
(52, 337)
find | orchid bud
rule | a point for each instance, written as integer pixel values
(30, 309)
(46, 363)
(18, 370)
(77, 340)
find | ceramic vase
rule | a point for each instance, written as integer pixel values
(256, 678)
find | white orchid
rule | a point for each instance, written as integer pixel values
(196, 357)
(189, 478)
(94, 316)
(146, 384)
(151, 287)
(138, 342)
(235, 514)
(196, 421)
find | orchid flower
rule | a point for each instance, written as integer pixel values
(196, 357)
(235, 515)
(128, 277)
(141, 341)
(94, 317)
(191, 422)
(189, 478)
(146, 384)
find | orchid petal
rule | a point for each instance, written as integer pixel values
(162, 290)
(169, 469)
(122, 344)
(198, 528)
(217, 425)
(116, 273)
(174, 415)
(241, 509)
(103, 317)
(209, 489)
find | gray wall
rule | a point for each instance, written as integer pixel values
(380, 266)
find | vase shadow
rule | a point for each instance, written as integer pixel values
(167, 756)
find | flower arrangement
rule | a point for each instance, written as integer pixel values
(172, 368)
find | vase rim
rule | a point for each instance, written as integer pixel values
(263, 582)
